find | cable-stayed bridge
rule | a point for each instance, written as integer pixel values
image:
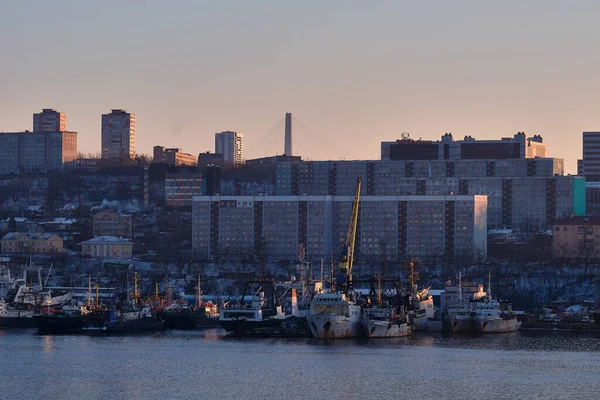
(292, 137)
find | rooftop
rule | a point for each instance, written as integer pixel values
(107, 240)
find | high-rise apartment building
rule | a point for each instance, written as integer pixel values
(591, 154)
(231, 145)
(36, 151)
(118, 136)
(49, 120)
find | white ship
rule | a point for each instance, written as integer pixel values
(459, 317)
(459, 304)
(335, 316)
(493, 316)
(422, 309)
(385, 322)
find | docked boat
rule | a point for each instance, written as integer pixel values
(16, 316)
(263, 313)
(379, 322)
(335, 316)
(422, 309)
(494, 316)
(128, 319)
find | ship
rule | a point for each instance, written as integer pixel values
(179, 315)
(261, 314)
(459, 305)
(494, 316)
(338, 314)
(20, 302)
(379, 322)
(335, 316)
(421, 308)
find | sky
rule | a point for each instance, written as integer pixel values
(356, 72)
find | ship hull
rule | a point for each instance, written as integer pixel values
(420, 323)
(17, 322)
(134, 325)
(54, 325)
(288, 327)
(324, 326)
(191, 320)
(461, 324)
(383, 329)
(495, 325)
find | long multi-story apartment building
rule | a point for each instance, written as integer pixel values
(49, 120)
(173, 156)
(118, 136)
(524, 193)
(277, 227)
(36, 151)
(512, 148)
(231, 145)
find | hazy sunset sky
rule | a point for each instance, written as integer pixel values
(358, 72)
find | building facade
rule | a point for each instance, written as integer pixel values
(231, 145)
(112, 223)
(209, 158)
(180, 188)
(118, 136)
(515, 148)
(49, 120)
(526, 194)
(19, 242)
(577, 238)
(392, 227)
(173, 156)
(37, 151)
(107, 247)
(591, 155)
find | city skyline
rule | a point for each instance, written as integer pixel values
(356, 73)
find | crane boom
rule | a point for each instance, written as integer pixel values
(348, 246)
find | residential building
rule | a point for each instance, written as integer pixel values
(36, 151)
(591, 155)
(49, 120)
(107, 222)
(20, 242)
(118, 136)
(525, 194)
(516, 147)
(181, 187)
(388, 226)
(209, 158)
(173, 156)
(231, 145)
(107, 247)
(577, 238)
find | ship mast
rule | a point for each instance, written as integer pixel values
(348, 245)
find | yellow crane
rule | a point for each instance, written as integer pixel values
(348, 245)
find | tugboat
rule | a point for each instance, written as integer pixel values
(421, 308)
(338, 314)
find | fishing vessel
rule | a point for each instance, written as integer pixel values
(379, 322)
(263, 310)
(338, 314)
(180, 315)
(421, 308)
(494, 316)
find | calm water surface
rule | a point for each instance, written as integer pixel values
(210, 365)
